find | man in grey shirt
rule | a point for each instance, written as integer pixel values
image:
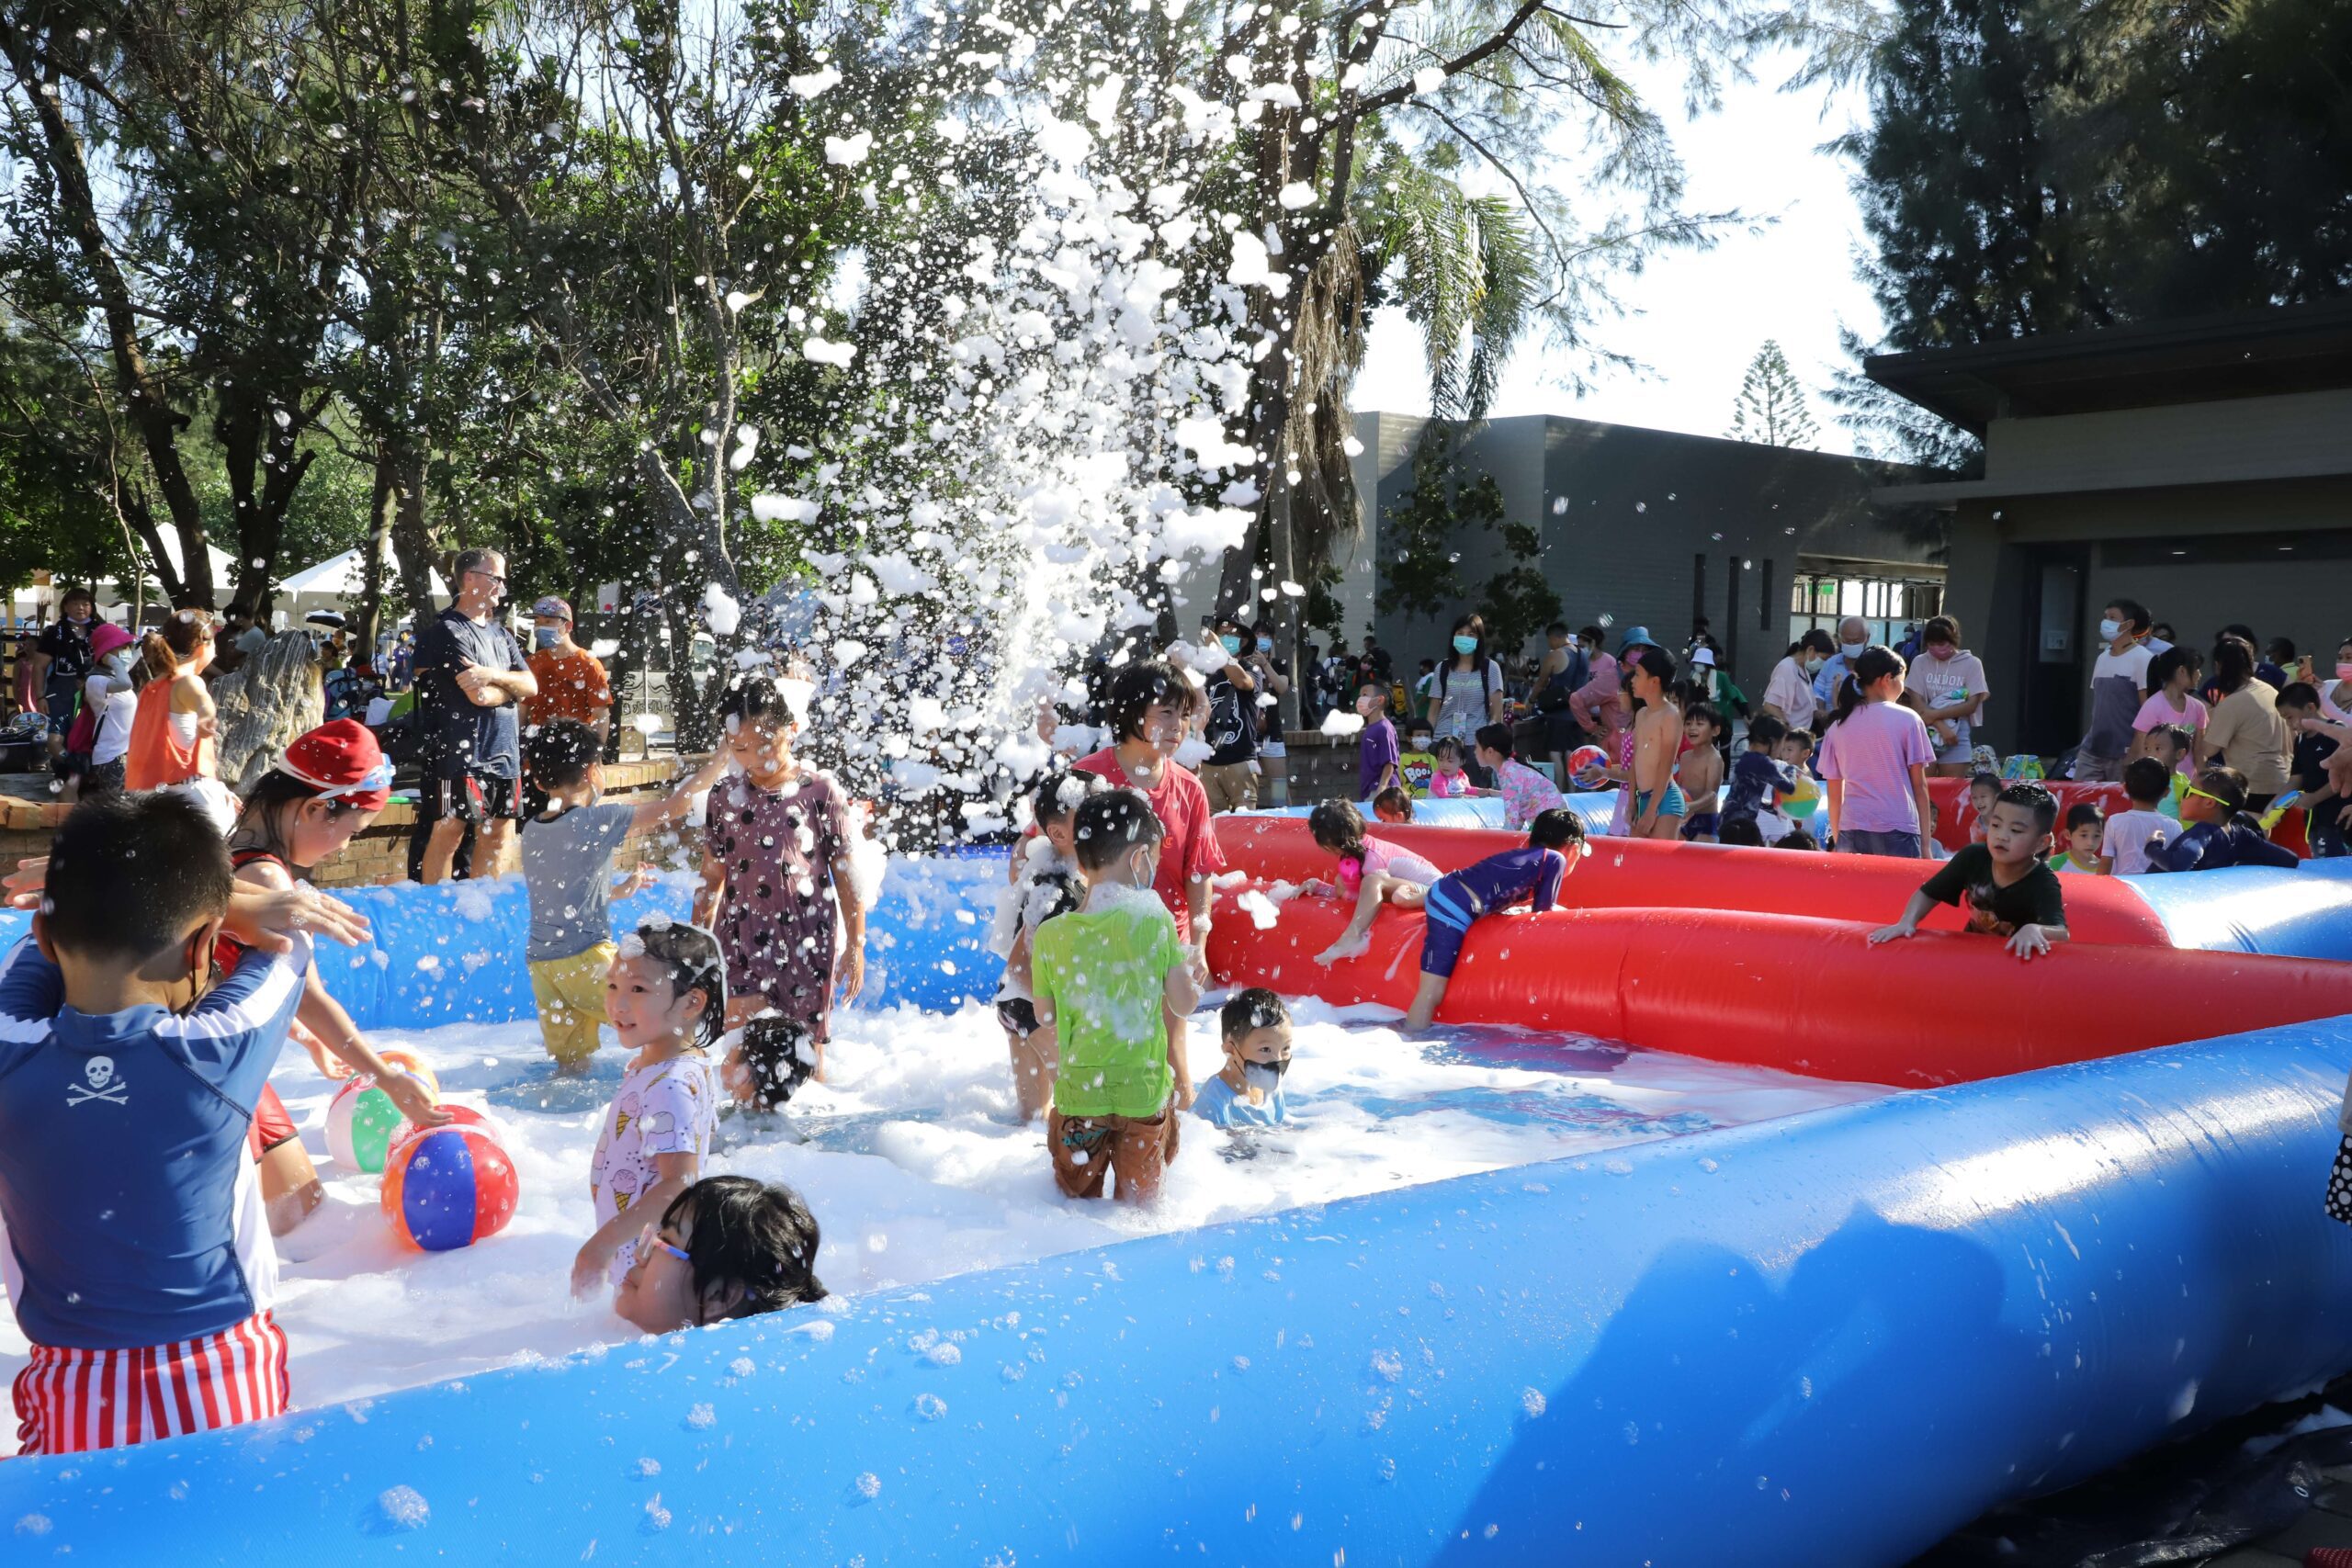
(567, 868)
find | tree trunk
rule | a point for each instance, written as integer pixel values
(416, 550)
(383, 504)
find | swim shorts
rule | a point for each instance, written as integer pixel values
(1706, 825)
(271, 1125)
(1447, 916)
(1673, 804)
(1089, 1150)
(471, 796)
(1018, 1015)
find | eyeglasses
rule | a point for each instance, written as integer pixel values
(649, 1238)
(494, 577)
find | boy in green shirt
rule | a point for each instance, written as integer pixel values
(1113, 987)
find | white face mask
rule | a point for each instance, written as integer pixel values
(2110, 630)
(1853, 649)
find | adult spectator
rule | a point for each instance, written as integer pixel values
(62, 662)
(2211, 689)
(1374, 664)
(1562, 671)
(1271, 671)
(1600, 706)
(1469, 693)
(1853, 637)
(1230, 775)
(2245, 731)
(2119, 688)
(572, 683)
(1950, 684)
(1147, 723)
(471, 678)
(400, 671)
(1788, 695)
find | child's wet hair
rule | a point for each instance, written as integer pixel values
(131, 874)
(1555, 829)
(560, 755)
(1766, 730)
(778, 1054)
(1447, 746)
(1062, 792)
(1338, 826)
(1112, 824)
(1137, 687)
(1984, 781)
(2040, 802)
(757, 697)
(1706, 714)
(690, 956)
(2226, 785)
(757, 1235)
(1496, 738)
(1248, 1011)
(1400, 801)
(2146, 779)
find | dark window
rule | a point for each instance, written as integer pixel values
(1764, 598)
(1698, 588)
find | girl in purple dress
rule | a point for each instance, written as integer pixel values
(777, 887)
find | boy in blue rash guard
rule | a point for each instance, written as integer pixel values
(2217, 831)
(1492, 884)
(138, 1256)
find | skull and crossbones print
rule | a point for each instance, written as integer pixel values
(98, 1071)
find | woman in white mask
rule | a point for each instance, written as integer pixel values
(1950, 681)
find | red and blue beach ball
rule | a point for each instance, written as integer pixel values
(448, 1187)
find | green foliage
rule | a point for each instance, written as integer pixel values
(1420, 575)
(2033, 167)
(1519, 601)
(1770, 407)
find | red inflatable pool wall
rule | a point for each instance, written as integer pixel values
(1629, 872)
(1953, 817)
(1799, 994)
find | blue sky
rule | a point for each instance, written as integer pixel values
(1696, 320)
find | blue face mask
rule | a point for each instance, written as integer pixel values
(1232, 644)
(545, 637)
(1465, 645)
(1265, 645)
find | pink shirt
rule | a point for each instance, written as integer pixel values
(1190, 851)
(1455, 786)
(1382, 858)
(1874, 753)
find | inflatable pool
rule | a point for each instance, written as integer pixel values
(1828, 1338)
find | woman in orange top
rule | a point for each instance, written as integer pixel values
(172, 730)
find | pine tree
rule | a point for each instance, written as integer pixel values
(1771, 409)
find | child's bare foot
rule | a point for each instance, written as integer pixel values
(1345, 949)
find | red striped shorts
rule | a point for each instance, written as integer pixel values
(73, 1401)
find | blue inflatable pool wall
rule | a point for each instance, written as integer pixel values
(1827, 1339)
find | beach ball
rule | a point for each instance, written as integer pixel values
(448, 1187)
(1808, 796)
(362, 1121)
(1585, 759)
(481, 1122)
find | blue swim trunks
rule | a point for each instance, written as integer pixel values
(1673, 804)
(1448, 912)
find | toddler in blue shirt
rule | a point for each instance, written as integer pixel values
(1249, 1091)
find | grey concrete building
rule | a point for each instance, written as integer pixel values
(1651, 527)
(2203, 468)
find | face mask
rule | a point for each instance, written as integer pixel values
(1263, 1078)
(1232, 644)
(545, 637)
(79, 620)
(1813, 664)
(1939, 651)
(2110, 630)
(1853, 649)
(1265, 645)
(119, 663)
(1143, 869)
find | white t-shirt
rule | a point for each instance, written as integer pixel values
(1943, 682)
(2130, 835)
(668, 1108)
(117, 703)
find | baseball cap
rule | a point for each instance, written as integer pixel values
(342, 760)
(551, 605)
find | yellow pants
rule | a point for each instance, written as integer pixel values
(570, 994)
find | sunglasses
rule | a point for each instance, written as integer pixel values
(2216, 799)
(494, 577)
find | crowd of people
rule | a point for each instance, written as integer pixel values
(172, 943)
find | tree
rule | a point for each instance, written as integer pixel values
(1420, 572)
(2031, 168)
(1771, 408)
(1519, 601)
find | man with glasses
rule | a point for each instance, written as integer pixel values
(470, 676)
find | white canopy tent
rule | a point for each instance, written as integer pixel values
(336, 583)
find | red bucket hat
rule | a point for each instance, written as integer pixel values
(342, 762)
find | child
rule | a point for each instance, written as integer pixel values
(2307, 770)
(2080, 853)
(1657, 805)
(2216, 830)
(1760, 783)
(568, 869)
(728, 1247)
(1392, 805)
(2001, 885)
(136, 1235)
(2132, 836)
(1047, 883)
(1983, 789)
(2170, 744)
(1371, 871)
(1108, 978)
(1248, 1092)
(777, 871)
(1701, 773)
(1526, 793)
(329, 784)
(1448, 781)
(1493, 884)
(664, 994)
(1377, 757)
(1416, 763)
(1935, 848)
